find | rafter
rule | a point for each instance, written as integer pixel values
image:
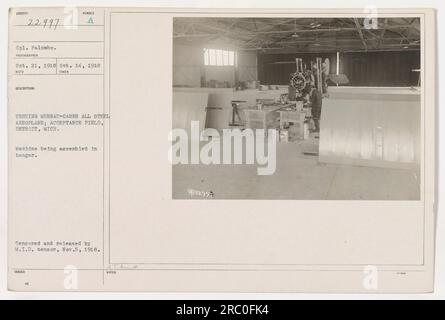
(360, 33)
(273, 33)
(382, 33)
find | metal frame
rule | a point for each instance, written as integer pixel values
(299, 34)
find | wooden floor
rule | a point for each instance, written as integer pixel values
(298, 176)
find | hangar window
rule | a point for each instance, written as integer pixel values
(216, 57)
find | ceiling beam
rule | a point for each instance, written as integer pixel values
(297, 50)
(264, 34)
(382, 34)
(293, 30)
(328, 40)
(360, 33)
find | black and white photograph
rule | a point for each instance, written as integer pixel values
(297, 108)
(240, 151)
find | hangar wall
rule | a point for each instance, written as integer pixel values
(367, 69)
(188, 67)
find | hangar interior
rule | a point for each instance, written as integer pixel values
(342, 94)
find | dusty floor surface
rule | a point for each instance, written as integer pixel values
(297, 176)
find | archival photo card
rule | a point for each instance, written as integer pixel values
(297, 108)
(221, 150)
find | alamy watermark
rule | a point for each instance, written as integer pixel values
(371, 278)
(71, 279)
(209, 147)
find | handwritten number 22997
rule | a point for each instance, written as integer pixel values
(44, 23)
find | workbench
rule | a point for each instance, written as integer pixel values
(293, 116)
(265, 118)
(274, 116)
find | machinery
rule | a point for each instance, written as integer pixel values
(308, 86)
(303, 79)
